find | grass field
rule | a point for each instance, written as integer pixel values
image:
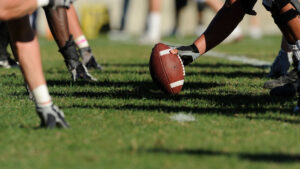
(123, 120)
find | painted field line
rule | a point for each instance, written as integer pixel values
(183, 117)
(236, 58)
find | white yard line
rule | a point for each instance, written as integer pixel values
(241, 59)
(183, 117)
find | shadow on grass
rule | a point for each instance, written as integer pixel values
(148, 91)
(257, 157)
(279, 119)
(189, 109)
(140, 85)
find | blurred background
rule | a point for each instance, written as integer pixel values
(106, 15)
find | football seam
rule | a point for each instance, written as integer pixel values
(181, 65)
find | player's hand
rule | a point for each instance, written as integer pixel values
(187, 53)
(60, 3)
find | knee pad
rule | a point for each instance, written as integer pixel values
(275, 6)
(248, 6)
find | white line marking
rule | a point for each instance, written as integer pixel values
(176, 84)
(242, 59)
(182, 117)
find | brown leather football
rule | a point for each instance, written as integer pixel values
(166, 69)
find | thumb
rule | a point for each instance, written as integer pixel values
(174, 51)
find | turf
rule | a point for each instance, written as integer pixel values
(123, 120)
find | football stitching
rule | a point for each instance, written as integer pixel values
(181, 65)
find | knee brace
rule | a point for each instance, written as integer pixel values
(275, 6)
(248, 6)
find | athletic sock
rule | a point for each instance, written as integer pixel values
(82, 42)
(41, 96)
(154, 25)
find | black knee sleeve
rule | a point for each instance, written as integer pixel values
(283, 18)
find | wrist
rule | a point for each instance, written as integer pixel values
(194, 48)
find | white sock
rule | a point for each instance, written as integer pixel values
(42, 3)
(154, 25)
(82, 42)
(42, 96)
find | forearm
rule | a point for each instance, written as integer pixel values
(74, 25)
(228, 17)
(58, 23)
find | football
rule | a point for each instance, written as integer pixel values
(166, 69)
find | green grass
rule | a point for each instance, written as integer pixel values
(123, 120)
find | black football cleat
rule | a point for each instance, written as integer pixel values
(287, 90)
(290, 78)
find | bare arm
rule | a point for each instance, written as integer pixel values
(228, 17)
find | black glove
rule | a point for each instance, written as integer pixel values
(188, 53)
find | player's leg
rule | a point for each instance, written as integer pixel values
(85, 50)
(58, 23)
(280, 67)
(286, 16)
(27, 49)
(5, 60)
(281, 63)
(200, 17)
(179, 5)
(153, 34)
(124, 14)
(18, 8)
